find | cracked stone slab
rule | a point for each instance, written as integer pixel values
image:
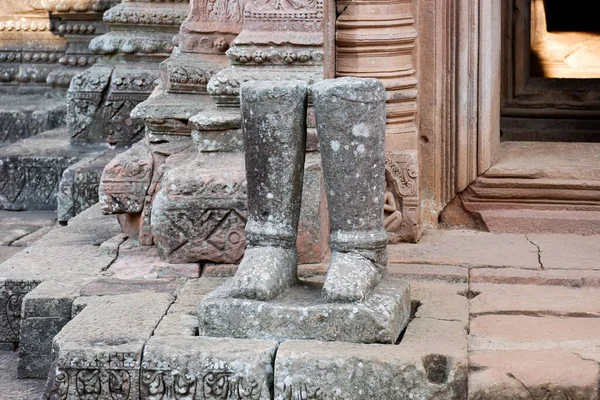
(91, 227)
(466, 248)
(99, 353)
(135, 261)
(429, 363)
(207, 368)
(33, 237)
(534, 300)
(300, 313)
(11, 233)
(178, 324)
(571, 252)
(532, 374)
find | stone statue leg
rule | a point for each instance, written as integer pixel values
(274, 124)
(350, 115)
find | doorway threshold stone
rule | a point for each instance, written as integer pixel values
(540, 187)
(300, 313)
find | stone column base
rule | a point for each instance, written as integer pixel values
(300, 313)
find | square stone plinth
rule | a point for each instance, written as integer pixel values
(300, 313)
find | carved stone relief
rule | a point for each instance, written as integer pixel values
(104, 376)
(402, 209)
(11, 299)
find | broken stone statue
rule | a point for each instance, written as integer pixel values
(265, 299)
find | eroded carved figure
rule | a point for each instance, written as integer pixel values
(350, 116)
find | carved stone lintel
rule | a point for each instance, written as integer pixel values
(402, 208)
(188, 367)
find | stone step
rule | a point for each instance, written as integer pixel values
(84, 248)
(521, 356)
(148, 347)
(23, 116)
(31, 169)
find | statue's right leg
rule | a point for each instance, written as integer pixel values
(274, 125)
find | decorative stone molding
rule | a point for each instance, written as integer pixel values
(377, 39)
(402, 208)
(80, 6)
(48, 39)
(211, 25)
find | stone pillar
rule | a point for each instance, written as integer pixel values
(195, 206)
(281, 40)
(203, 39)
(376, 39)
(43, 43)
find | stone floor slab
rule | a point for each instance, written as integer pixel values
(571, 252)
(192, 292)
(207, 368)
(555, 277)
(12, 388)
(428, 272)
(537, 374)
(177, 324)
(100, 350)
(7, 252)
(444, 301)
(535, 300)
(113, 286)
(430, 363)
(466, 248)
(522, 332)
(300, 313)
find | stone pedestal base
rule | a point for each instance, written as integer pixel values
(300, 313)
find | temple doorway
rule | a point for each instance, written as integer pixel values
(551, 72)
(544, 175)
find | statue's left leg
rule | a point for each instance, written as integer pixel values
(350, 115)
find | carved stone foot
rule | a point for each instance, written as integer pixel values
(351, 277)
(265, 272)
